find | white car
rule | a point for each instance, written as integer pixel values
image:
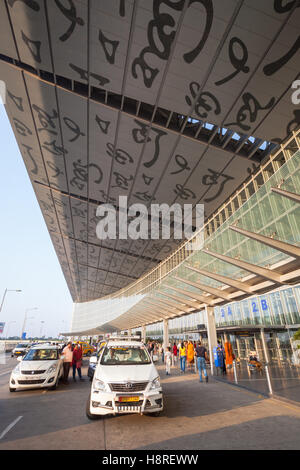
(125, 381)
(20, 350)
(40, 367)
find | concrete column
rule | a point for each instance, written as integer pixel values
(238, 347)
(257, 348)
(212, 334)
(129, 332)
(279, 352)
(166, 334)
(144, 334)
(263, 340)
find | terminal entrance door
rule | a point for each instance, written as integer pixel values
(276, 345)
(246, 344)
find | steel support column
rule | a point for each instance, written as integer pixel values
(144, 334)
(263, 340)
(224, 279)
(181, 300)
(252, 268)
(282, 192)
(165, 334)
(193, 295)
(212, 334)
(210, 290)
(287, 248)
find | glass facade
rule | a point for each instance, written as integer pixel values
(193, 272)
(278, 308)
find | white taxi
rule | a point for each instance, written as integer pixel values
(40, 367)
(125, 380)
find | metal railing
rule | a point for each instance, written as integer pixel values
(273, 380)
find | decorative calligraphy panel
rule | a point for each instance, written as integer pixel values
(30, 29)
(6, 38)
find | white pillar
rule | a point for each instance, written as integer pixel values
(279, 352)
(166, 334)
(129, 332)
(144, 334)
(263, 339)
(212, 334)
(238, 347)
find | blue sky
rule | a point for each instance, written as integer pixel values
(27, 257)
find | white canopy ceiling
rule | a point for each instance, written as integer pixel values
(142, 98)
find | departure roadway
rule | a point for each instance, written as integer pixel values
(196, 416)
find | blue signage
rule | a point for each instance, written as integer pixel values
(263, 303)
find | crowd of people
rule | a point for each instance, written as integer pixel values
(184, 354)
(188, 355)
(193, 356)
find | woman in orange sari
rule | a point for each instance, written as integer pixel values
(190, 354)
(228, 354)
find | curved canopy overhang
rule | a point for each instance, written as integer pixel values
(154, 100)
(244, 256)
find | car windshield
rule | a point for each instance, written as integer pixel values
(21, 345)
(125, 355)
(41, 355)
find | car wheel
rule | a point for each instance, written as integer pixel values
(88, 413)
(12, 389)
(54, 386)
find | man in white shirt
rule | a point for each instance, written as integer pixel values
(68, 357)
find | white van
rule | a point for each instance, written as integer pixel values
(125, 380)
(41, 367)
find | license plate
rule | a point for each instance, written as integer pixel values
(125, 399)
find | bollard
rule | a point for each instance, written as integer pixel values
(234, 371)
(268, 379)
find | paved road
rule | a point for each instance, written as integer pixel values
(196, 416)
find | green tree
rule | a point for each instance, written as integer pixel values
(297, 335)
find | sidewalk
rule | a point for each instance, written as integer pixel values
(201, 416)
(285, 381)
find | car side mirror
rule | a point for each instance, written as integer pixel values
(155, 358)
(20, 358)
(93, 360)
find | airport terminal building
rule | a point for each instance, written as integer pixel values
(182, 102)
(275, 315)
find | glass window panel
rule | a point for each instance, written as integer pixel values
(277, 308)
(254, 305)
(292, 314)
(217, 314)
(223, 317)
(297, 295)
(238, 314)
(246, 311)
(230, 314)
(265, 308)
